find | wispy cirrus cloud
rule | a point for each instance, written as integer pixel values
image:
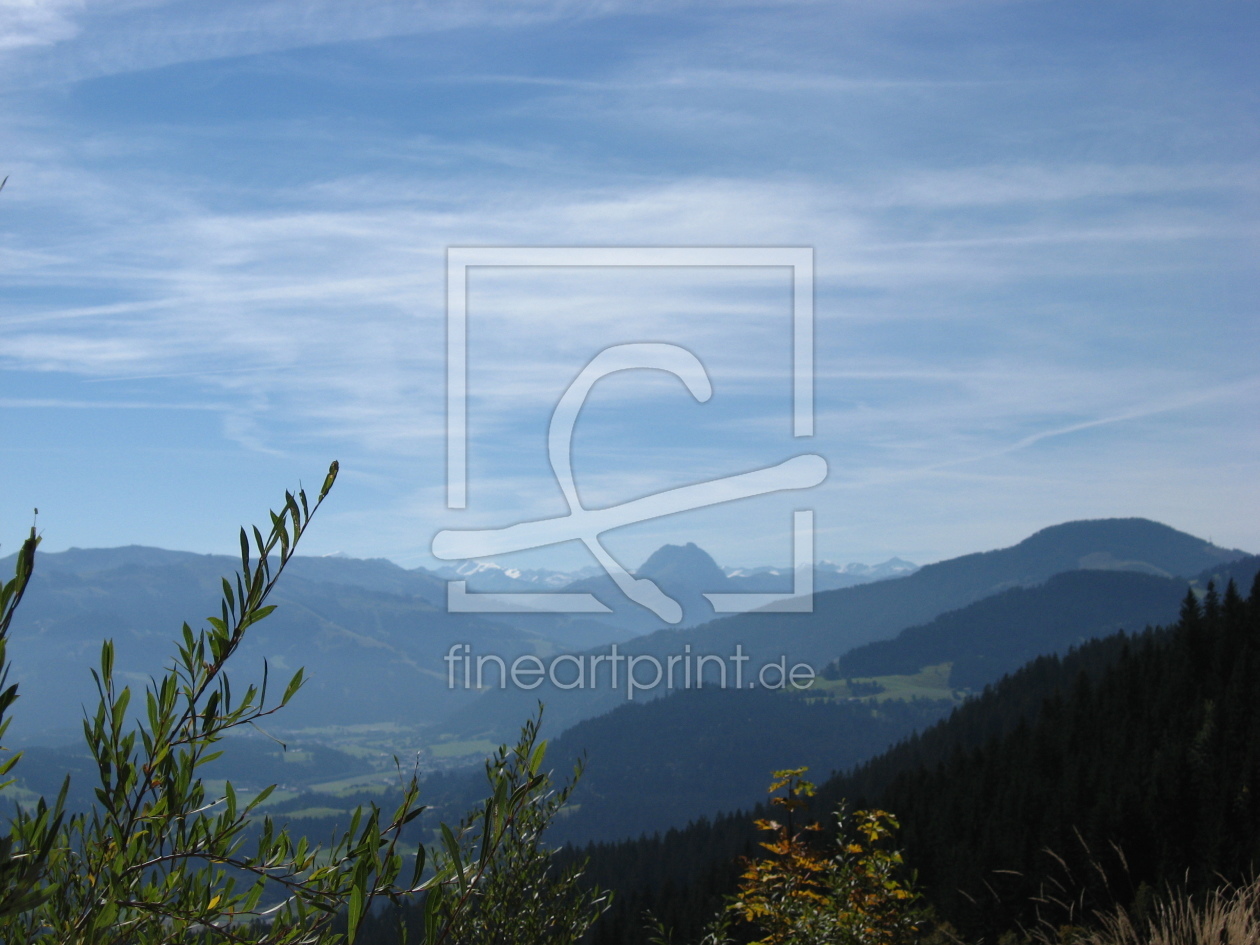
(72, 40)
(1016, 260)
(292, 290)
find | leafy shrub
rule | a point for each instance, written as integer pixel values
(851, 892)
(158, 860)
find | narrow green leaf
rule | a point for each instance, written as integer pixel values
(294, 685)
(354, 913)
(257, 615)
(120, 707)
(330, 479)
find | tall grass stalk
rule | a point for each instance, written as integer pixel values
(1226, 916)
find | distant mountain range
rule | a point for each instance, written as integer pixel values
(684, 572)
(373, 636)
(849, 617)
(372, 644)
(370, 634)
(828, 575)
(487, 576)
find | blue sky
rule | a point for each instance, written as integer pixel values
(222, 249)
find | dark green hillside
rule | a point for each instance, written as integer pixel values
(1158, 755)
(1242, 571)
(661, 764)
(655, 766)
(999, 634)
(1148, 743)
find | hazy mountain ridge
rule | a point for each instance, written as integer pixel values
(684, 572)
(370, 655)
(489, 576)
(373, 636)
(370, 634)
(377, 574)
(828, 575)
(849, 617)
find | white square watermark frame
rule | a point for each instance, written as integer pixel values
(460, 259)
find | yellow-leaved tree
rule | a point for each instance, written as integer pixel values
(851, 892)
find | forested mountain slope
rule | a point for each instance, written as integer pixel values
(655, 766)
(1149, 745)
(658, 765)
(997, 635)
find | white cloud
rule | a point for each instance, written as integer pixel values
(26, 23)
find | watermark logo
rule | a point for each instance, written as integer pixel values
(802, 471)
(643, 672)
